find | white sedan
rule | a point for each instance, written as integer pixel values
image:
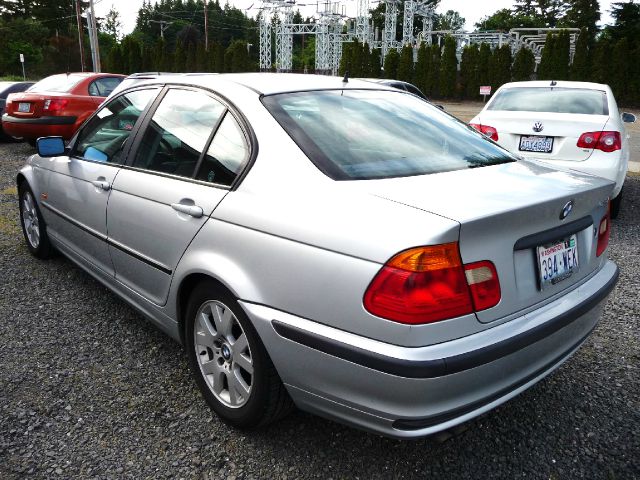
(567, 124)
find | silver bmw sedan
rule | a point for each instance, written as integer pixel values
(343, 247)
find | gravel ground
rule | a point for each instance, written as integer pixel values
(88, 389)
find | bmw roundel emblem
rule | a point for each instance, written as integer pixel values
(538, 127)
(566, 210)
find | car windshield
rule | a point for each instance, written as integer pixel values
(57, 83)
(365, 134)
(551, 99)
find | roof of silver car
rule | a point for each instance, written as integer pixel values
(267, 83)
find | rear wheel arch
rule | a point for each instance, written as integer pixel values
(187, 285)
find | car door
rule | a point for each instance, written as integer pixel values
(189, 153)
(75, 202)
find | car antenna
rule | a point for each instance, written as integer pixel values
(346, 77)
(553, 83)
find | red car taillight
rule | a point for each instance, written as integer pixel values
(605, 141)
(604, 230)
(429, 284)
(490, 132)
(55, 105)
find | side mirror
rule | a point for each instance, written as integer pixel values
(628, 117)
(50, 146)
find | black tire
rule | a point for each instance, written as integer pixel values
(268, 400)
(42, 248)
(615, 204)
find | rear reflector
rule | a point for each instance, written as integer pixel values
(429, 284)
(490, 132)
(605, 141)
(604, 231)
(482, 279)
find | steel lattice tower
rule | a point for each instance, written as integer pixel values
(265, 41)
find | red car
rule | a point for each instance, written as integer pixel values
(56, 105)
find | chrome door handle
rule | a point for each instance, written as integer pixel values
(103, 184)
(193, 210)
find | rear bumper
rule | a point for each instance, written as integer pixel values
(63, 126)
(411, 392)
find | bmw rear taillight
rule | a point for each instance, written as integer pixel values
(490, 132)
(605, 141)
(55, 105)
(429, 284)
(604, 231)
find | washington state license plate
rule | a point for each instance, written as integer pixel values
(534, 143)
(24, 107)
(558, 261)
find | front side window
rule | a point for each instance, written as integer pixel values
(102, 87)
(551, 99)
(363, 134)
(104, 137)
(178, 132)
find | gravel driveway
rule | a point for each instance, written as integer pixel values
(89, 389)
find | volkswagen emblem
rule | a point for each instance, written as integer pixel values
(538, 127)
(566, 210)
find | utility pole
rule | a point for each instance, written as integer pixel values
(97, 66)
(163, 26)
(206, 28)
(80, 32)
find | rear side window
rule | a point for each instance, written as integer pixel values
(102, 87)
(364, 134)
(551, 99)
(57, 83)
(178, 132)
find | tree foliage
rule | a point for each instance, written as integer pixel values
(524, 65)
(449, 68)
(405, 64)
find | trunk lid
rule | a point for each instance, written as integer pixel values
(565, 129)
(502, 207)
(35, 102)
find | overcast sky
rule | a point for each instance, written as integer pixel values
(471, 10)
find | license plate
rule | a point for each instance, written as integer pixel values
(24, 107)
(557, 261)
(534, 143)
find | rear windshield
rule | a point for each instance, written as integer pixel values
(57, 83)
(367, 134)
(551, 99)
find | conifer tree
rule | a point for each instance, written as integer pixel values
(500, 67)
(449, 68)
(600, 65)
(391, 64)
(561, 57)
(366, 61)
(202, 63)
(524, 65)
(160, 56)
(114, 60)
(580, 65)
(356, 59)
(190, 64)
(434, 70)
(376, 70)
(484, 58)
(420, 73)
(469, 71)
(179, 58)
(345, 60)
(219, 58)
(620, 71)
(405, 64)
(545, 68)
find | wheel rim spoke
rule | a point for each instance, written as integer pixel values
(223, 318)
(238, 389)
(205, 335)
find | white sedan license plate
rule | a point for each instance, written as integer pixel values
(534, 143)
(24, 107)
(558, 261)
